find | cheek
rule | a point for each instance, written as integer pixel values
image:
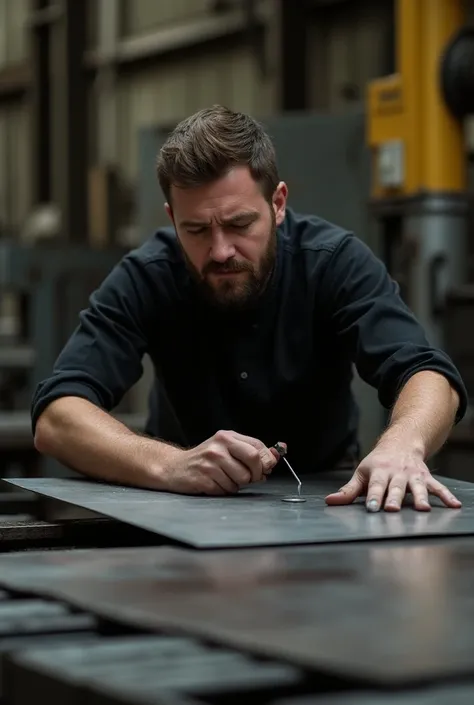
(252, 248)
(194, 249)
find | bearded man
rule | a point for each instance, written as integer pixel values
(253, 316)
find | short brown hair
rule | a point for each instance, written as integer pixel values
(206, 145)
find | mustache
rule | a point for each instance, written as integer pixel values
(225, 267)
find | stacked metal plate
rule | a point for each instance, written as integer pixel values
(283, 604)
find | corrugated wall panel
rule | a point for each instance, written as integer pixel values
(166, 95)
(141, 16)
(5, 178)
(3, 33)
(92, 22)
(349, 46)
(13, 32)
(155, 97)
(17, 40)
(20, 145)
(247, 88)
(15, 166)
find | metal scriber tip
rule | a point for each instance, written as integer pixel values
(295, 475)
(281, 449)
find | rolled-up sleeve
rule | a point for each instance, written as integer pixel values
(102, 359)
(384, 338)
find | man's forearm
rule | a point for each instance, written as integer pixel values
(90, 441)
(424, 414)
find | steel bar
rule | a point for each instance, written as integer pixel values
(179, 37)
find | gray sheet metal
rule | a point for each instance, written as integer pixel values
(383, 613)
(257, 516)
(139, 669)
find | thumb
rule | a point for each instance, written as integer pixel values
(275, 453)
(349, 492)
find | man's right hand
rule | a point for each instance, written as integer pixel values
(219, 466)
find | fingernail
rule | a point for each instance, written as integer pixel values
(373, 505)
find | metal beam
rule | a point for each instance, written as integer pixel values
(108, 38)
(180, 37)
(293, 42)
(70, 106)
(41, 109)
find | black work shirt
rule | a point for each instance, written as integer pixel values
(280, 372)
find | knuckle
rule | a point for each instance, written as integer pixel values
(221, 436)
(253, 454)
(377, 482)
(206, 470)
(245, 477)
(213, 452)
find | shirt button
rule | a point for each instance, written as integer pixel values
(243, 375)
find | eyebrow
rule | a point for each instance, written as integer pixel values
(247, 217)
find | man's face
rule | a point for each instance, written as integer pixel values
(227, 231)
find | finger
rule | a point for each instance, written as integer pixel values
(250, 458)
(349, 492)
(223, 477)
(234, 471)
(443, 493)
(275, 453)
(269, 457)
(279, 448)
(419, 490)
(378, 483)
(209, 487)
(395, 494)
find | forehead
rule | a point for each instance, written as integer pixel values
(225, 196)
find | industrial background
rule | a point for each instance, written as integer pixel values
(125, 596)
(89, 89)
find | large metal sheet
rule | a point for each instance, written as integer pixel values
(378, 613)
(257, 516)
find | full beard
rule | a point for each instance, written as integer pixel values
(237, 293)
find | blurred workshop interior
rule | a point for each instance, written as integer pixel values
(370, 106)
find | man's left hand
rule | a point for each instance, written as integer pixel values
(386, 475)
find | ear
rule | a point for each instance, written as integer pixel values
(169, 212)
(279, 202)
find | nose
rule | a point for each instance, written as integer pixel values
(222, 248)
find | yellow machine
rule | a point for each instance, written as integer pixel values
(419, 165)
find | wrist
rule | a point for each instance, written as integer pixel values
(399, 436)
(159, 462)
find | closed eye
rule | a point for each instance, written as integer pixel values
(240, 227)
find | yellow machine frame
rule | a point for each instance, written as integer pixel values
(417, 145)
